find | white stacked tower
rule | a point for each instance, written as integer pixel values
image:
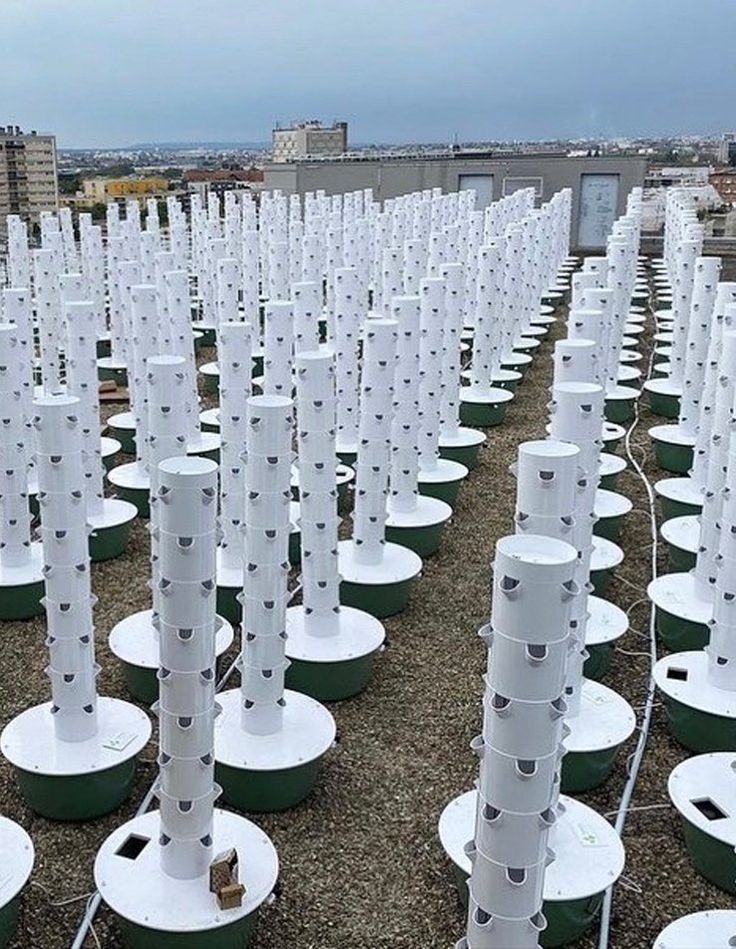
(684, 601)
(57, 746)
(546, 486)
(330, 646)
(489, 392)
(524, 709)
(347, 331)
(266, 730)
(236, 342)
(109, 518)
(576, 361)
(683, 495)
(131, 479)
(376, 575)
(455, 441)
(699, 684)
(21, 561)
(135, 639)
(439, 477)
(599, 720)
(412, 519)
(162, 885)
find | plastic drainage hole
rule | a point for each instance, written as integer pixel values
(516, 875)
(527, 768)
(680, 675)
(132, 847)
(709, 809)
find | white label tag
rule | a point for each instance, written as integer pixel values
(118, 742)
(587, 837)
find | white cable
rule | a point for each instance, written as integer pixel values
(638, 754)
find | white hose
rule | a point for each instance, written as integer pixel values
(638, 754)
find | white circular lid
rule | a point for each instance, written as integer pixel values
(706, 779)
(204, 441)
(428, 512)
(139, 891)
(114, 513)
(678, 593)
(358, 635)
(589, 855)
(487, 395)
(611, 431)
(611, 464)
(672, 435)
(606, 621)
(210, 417)
(605, 555)
(611, 504)
(106, 362)
(663, 386)
(682, 532)
(445, 470)
(683, 676)
(135, 641)
(714, 929)
(210, 369)
(29, 741)
(131, 475)
(23, 574)
(684, 490)
(308, 731)
(122, 420)
(18, 856)
(605, 719)
(621, 394)
(628, 372)
(398, 565)
(109, 446)
(462, 438)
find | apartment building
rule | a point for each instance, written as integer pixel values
(28, 176)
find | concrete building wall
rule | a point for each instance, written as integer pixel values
(28, 176)
(309, 138)
(391, 177)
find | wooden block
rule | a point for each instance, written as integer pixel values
(231, 896)
(224, 870)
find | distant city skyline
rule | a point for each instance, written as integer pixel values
(103, 75)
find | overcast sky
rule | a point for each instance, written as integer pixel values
(117, 72)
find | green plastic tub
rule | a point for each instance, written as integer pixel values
(598, 663)
(713, 859)
(110, 542)
(681, 635)
(585, 770)
(77, 797)
(330, 681)
(23, 602)
(483, 414)
(424, 541)
(378, 599)
(265, 791)
(699, 731)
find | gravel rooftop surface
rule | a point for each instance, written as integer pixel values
(362, 867)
